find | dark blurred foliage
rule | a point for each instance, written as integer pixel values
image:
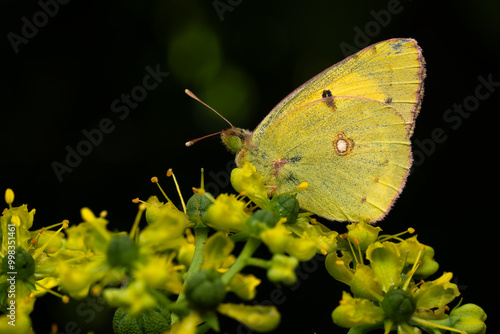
(78, 67)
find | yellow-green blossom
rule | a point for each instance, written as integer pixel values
(256, 317)
(165, 232)
(365, 234)
(77, 278)
(95, 234)
(246, 180)
(280, 240)
(217, 249)
(355, 312)
(19, 322)
(276, 238)
(159, 272)
(134, 298)
(411, 247)
(385, 294)
(244, 286)
(387, 264)
(227, 214)
(187, 325)
(324, 238)
(469, 318)
(282, 269)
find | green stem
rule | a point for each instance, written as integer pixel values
(200, 237)
(242, 260)
(258, 263)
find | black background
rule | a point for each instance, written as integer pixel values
(64, 78)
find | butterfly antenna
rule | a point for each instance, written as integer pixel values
(191, 142)
(190, 93)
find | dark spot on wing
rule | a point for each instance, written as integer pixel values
(388, 100)
(329, 100)
(292, 178)
(398, 47)
(295, 159)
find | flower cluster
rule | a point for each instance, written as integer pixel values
(386, 278)
(173, 273)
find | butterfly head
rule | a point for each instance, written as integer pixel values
(236, 139)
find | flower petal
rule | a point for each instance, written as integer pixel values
(256, 317)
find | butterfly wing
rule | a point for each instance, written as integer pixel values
(354, 153)
(390, 71)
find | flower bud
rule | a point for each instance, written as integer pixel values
(20, 262)
(122, 251)
(471, 320)
(197, 206)
(398, 305)
(153, 321)
(205, 290)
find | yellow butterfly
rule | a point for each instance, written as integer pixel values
(346, 132)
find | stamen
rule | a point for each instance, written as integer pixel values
(416, 264)
(356, 242)
(64, 298)
(386, 237)
(64, 224)
(171, 173)
(154, 179)
(134, 231)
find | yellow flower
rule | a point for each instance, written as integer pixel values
(244, 286)
(354, 312)
(76, 237)
(301, 248)
(256, 317)
(76, 279)
(187, 325)
(276, 238)
(217, 249)
(247, 180)
(227, 214)
(280, 240)
(324, 238)
(159, 273)
(20, 321)
(134, 298)
(167, 230)
(282, 269)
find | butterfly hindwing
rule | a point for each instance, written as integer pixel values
(353, 152)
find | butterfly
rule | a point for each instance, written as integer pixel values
(346, 132)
